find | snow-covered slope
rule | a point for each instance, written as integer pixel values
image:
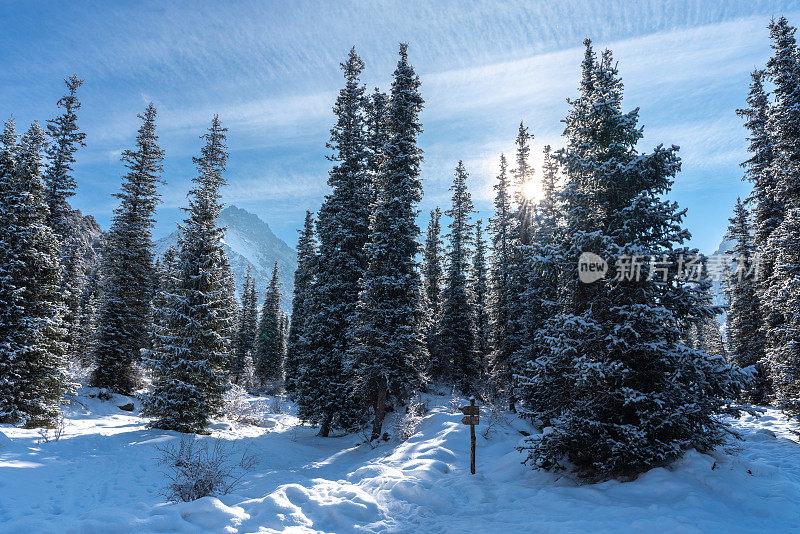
(103, 476)
(249, 241)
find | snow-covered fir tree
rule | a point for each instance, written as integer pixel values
(388, 346)
(192, 343)
(523, 177)
(480, 293)
(268, 359)
(632, 396)
(534, 383)
(501, 227)
(781, 298)
(432, 282)
(377, 106)
(457, 361)
(88, 311)
(766, 211)
(519, 272)
(244, 349)
(232, 310)
(127, 271)
(343, 230)
(303, 282)
(65, 139)
(33, 379)
(745, 325)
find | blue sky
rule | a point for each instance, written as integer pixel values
(270, 69)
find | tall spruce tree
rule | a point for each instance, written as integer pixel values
(523, 176)
(303, 283)
(534, 383)
(781, 298)
(65, 139)
(457, 361)
(33, 377)
(377, 107)
(247, 333)
(388, 348)
(192, 343)
(268, 360)
(745, 324)
(766, 209)
(501, 227)
(480, 294)
(127, 265)
(343, 230)
(632, 396)
(432, 283)
(516, 331)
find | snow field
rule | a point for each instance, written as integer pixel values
(103, 476)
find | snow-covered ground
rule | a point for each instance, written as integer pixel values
(103, 476)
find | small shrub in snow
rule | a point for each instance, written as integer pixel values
(455, 400)
(240, 409)
(277, 404)
(407, 425)
(493, 403)
(197, 470)
(54, 432)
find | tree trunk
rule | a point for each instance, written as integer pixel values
(379, 407)
(325, 427)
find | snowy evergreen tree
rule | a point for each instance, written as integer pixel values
(88, 310)
(191, 348)
(33, 377)
(127, 265)
(631, 395)
(268, 359)
(248, 332)
(502, 227)
(767, 212)
(523, 176)
(744, 324)
(432, 282)
(377, 138)
(535, 383)
(65, 139)
(303, 283)
(781, 297)
(783, 337)
(343, 230)
(519, 272)
(480, 294)
(388, 346)
(457, 354)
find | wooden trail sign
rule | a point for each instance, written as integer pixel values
(471, 418)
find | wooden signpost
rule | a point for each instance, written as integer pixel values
(471, 418)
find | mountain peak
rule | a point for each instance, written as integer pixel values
(250, 242)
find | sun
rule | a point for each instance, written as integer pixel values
(532, 191)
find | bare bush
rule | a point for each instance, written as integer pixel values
(196, 470)
(407, 425)
(455, 400)
(53, 432)
(240, 409)
(278, 404)
(493, 405)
